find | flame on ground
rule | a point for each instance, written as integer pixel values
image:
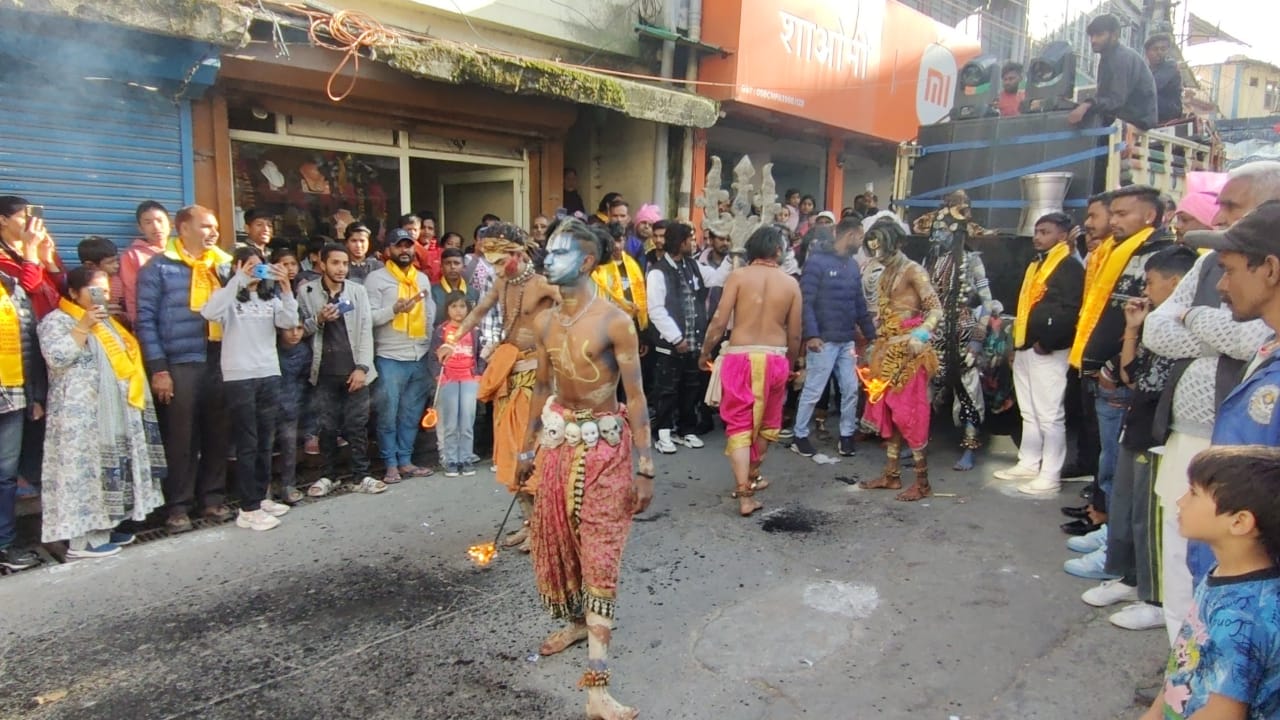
(483, 554)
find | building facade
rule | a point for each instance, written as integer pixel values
(825, 89)
(379, 108)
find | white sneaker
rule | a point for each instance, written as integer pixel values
(1088, 542)
(1139, 616)
(692, 441)
(273, 508)
(1111, 592)
(256, 520)
(1017, 472)
(665, 446)
(1040, 486)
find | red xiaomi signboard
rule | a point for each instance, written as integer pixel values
(868, 66)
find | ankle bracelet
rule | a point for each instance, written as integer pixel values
(594, 679)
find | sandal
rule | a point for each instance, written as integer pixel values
(370, 486)
(292, 496)
(321, 487)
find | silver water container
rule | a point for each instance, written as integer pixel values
(1043, 193)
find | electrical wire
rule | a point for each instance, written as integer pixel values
(347, 32)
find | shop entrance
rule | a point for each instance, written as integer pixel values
(302, 171)
(461, 193)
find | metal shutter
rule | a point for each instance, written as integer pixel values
(90, 154)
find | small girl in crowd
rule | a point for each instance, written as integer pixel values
(455, 402)
(295, 388)
(287, 258)
(250, 308)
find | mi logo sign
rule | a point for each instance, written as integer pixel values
(935, 86)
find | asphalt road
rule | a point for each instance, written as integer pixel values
(833, 603)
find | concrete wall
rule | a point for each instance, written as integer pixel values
(612, 153)
(530, 27)
(861, 167)
(797, 164)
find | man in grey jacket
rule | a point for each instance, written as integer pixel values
(402, 310)
(339, 320)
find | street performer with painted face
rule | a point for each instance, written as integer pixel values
(582, 439)
(508, 379)
(960, 279)
(902, 359)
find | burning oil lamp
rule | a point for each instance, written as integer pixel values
(484, 553)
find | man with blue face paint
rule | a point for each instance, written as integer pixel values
(587, 492)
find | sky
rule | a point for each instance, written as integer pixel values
(1253, 21)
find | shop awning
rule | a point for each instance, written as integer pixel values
(453, 63)
(227, 23)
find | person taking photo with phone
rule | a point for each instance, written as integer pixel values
(250, 307)
(337, 317)
(27, 252)
(103, 460)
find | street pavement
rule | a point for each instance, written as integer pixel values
(832, 603)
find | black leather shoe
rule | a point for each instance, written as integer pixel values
(1087, 492)
(1079, 513)
(1079, 527)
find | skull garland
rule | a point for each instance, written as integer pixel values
(553, 428)
(590, 433)
(572, 433)
(611, 430)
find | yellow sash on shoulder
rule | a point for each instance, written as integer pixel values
(11, 374)
(1034, 285)
(1099, 288)
(122, 352)
(414, 322)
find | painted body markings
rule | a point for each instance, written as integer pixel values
(564, 259)
(562, 357)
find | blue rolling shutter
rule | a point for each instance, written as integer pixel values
(91, 154)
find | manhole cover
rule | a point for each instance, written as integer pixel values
(793, 519)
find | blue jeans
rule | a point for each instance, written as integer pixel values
(818, 367)
(1111, 406)
(456, 407)
(399, 395)
(11, 424)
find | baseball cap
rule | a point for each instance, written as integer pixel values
(1257, 233)
(828, 215)
(397, 236)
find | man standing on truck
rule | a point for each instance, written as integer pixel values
(1126, 87)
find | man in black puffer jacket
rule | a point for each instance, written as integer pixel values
(1048, 307)
(834, 305)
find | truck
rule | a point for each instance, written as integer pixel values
(987, 157)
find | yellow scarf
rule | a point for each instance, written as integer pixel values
(1097, 291)
(11, 374)
(414, 322)
(204, 277)
(1097, 259)
(609, 280)
(1034, 285)
(122, 352)
(462, 286)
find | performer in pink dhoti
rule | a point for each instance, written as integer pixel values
(763, 304)
(583, 437)
(902, 360)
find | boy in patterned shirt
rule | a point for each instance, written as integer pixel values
(1225, 662)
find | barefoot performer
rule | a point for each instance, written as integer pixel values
(587, 492)
(902, 359)
(508, 379)
(763, 304)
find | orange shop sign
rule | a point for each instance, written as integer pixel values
(874, 67)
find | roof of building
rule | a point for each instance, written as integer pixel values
(1220, 52)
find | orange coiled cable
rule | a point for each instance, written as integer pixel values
(347, 32)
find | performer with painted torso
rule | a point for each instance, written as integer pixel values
(509, 377)
(960, 279)
(902, 359)
(582, 440)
